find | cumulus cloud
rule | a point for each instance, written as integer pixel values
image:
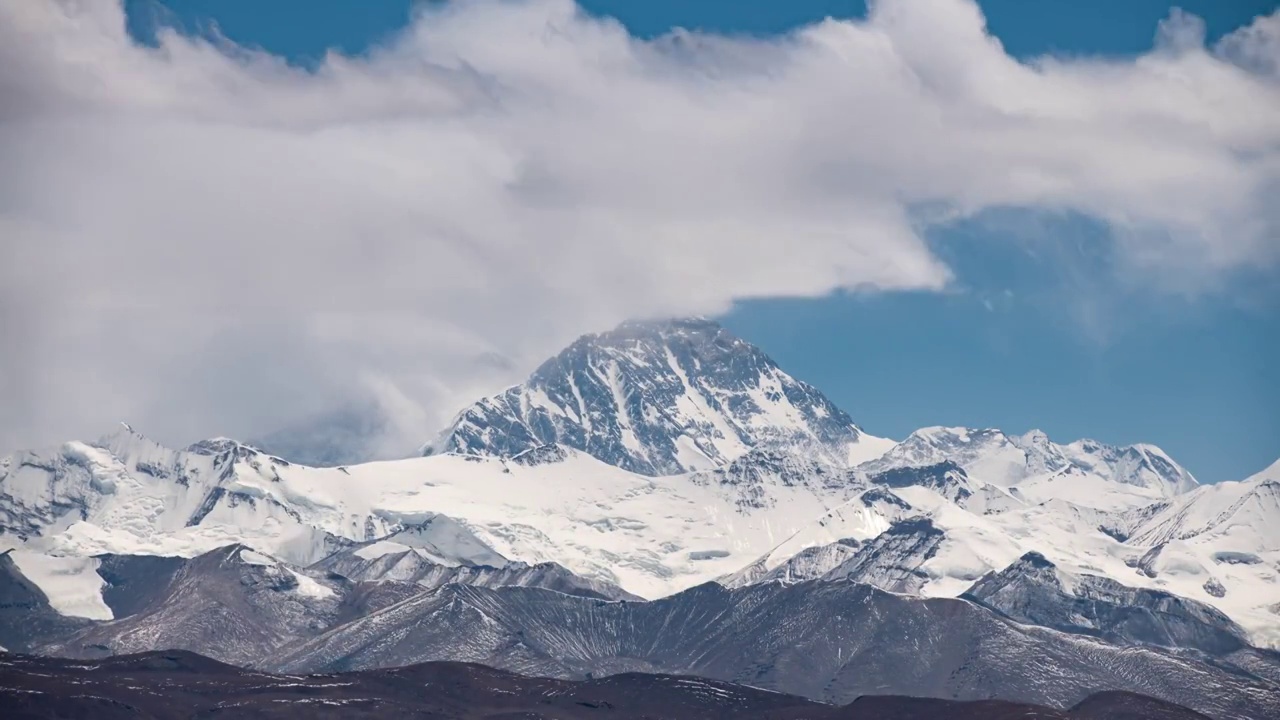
(204, 239)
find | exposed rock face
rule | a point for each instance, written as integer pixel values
(832, 641)
(232, 604)
(410, 566)
(810, 563)
(132, 582)
(238, 605)
(656, 398)
(1034, 590)
(892, 560)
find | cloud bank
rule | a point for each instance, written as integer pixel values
(205, 240)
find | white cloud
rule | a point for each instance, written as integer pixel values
(203, 239)
(1255, 47)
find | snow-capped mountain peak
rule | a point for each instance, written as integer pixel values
(658, 398)
(991, 456)
(1248, 512)
(1272, 472)
(1034, 438)
(124, 437)
(987, 454)
(1140, 465)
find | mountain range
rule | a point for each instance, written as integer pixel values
(776, 542)
(830, 641)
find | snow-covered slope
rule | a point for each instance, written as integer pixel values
(1215, 545)
(1272, 472)
(436, 539)
(27, 620)
(127, 495)
(1222, 541)
(659, 398)
(442, 551)
(825, 542)
(1241, 512)
(1106, 475)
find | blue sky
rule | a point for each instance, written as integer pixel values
(1041, 328)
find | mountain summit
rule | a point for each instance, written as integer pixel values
(1007, 460)
(659, 398)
